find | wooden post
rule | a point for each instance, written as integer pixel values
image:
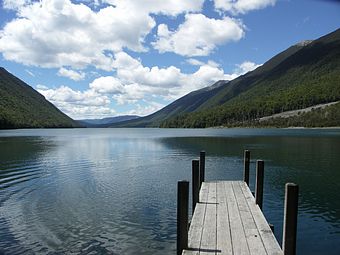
(290, 219)
(202, 167)
(182, 215)
(195, 183)
(259, 183)
(246, 166)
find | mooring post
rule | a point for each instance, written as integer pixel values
(182, 215)
(290, 219)
(246, 166)
(195, 183)
(202, 167)
(259, 183)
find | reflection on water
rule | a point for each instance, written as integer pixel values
(113, 191)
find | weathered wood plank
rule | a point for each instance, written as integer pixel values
(227, 221)
(197, 223)
(253, 237)
(270, 243)
(204, 192)
(238, 238)
(223, 225)
(208, 241)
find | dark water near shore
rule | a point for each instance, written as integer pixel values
(113, 191)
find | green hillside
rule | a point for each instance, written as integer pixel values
(23, 107)
(301, 76)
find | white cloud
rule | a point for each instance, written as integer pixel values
(56, 33)
(131, 71)
(135, 81)
(198, 35)
(242, 6)
(168, 7)
(246, 67)
(134, 85)
(73, 75)
(107, 85)
(65, 94)
(78, 104)
(143, 110)
(89, 112)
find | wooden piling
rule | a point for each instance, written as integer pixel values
(290, 219)
(182, 215)
(202, 167)
(195, 183)
(259, 183)
(246, 166)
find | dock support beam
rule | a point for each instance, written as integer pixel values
(202, 167)
(259, 183)
(290, 219)
(195, 183)
(246, 166)
(182, 215)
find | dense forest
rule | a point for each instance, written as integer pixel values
(23, 107)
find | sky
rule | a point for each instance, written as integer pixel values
(104, 58)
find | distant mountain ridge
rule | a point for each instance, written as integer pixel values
(106, 121)
(303, 75)
(23, 107)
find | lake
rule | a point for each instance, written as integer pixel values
(113, 191)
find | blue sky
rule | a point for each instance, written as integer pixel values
(102, 58)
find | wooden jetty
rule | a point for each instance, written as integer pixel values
(227, 218)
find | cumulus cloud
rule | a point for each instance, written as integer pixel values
(134, 81)
(87, 112)
(78, 104)
(198, 35)
(169, 7)
(68, 95)
(134, 84)
(242, 6)
(107, 85)
(73, 75)
(130, 71)
(56, 33)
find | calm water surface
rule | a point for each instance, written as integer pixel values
(113, 191)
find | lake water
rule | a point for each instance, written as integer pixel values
(113, 191)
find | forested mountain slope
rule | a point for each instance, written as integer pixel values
(23, 107)
(304, 75)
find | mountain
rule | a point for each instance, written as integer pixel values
(23, 107)
(106, 121)
(304, 75)
(188, 103)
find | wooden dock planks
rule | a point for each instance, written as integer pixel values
(227, 221)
